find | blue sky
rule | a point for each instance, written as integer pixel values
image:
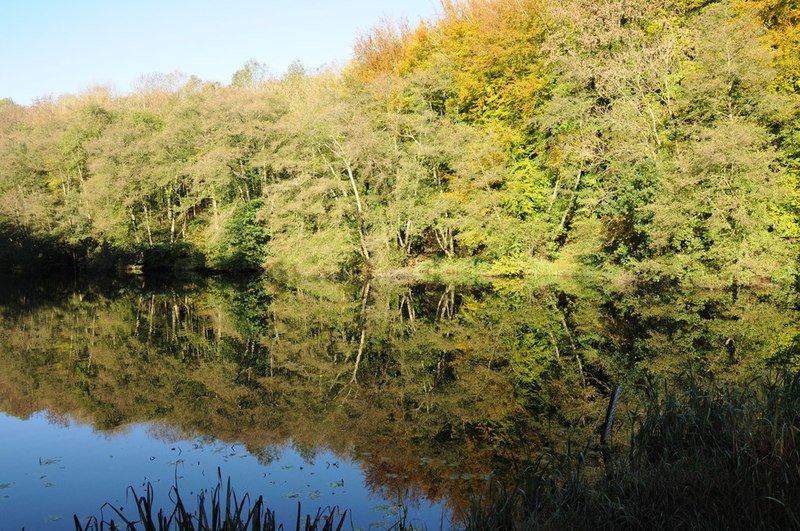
(53, 47)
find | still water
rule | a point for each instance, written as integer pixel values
(380, 398)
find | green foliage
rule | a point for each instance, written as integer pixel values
(244, 243)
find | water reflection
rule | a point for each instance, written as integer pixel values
(429, 388)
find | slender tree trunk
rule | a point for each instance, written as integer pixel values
(554, 195)
(171, 224)
(135, 227)
(363, 324)
(570, 205)
(147, 225)
(216, 212)
(360, 210)
(444, 238)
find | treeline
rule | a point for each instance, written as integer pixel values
(659, 138)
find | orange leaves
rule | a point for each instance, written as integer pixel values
(381, 50)
(487, 49)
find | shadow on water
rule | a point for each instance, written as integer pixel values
(23, 252)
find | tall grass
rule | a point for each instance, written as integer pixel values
(699, 456)
(223, 512)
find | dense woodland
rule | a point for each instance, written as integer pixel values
(654, 140)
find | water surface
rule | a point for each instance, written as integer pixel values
(370, 396)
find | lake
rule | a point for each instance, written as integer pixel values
(381, 398)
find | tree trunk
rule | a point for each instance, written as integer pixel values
(147, 225)
(216, 212)
(135, 228)
(570, 205)
(360, 211)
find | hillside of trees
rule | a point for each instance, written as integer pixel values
(655, 140)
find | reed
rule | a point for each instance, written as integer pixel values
(224, 511)
(699, 456)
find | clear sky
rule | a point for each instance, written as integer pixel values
(53, 47)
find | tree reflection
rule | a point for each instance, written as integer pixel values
(433, 388)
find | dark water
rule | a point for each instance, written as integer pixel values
(373, 397)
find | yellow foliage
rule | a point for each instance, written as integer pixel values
(488, 48)
(782, 18)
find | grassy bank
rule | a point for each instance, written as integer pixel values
(694, 455)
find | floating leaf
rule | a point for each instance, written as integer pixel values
(335, 484)
(5, 485)
(388, 510)
(53, 518)
(312, 494)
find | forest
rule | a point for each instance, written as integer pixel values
(655, 142)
